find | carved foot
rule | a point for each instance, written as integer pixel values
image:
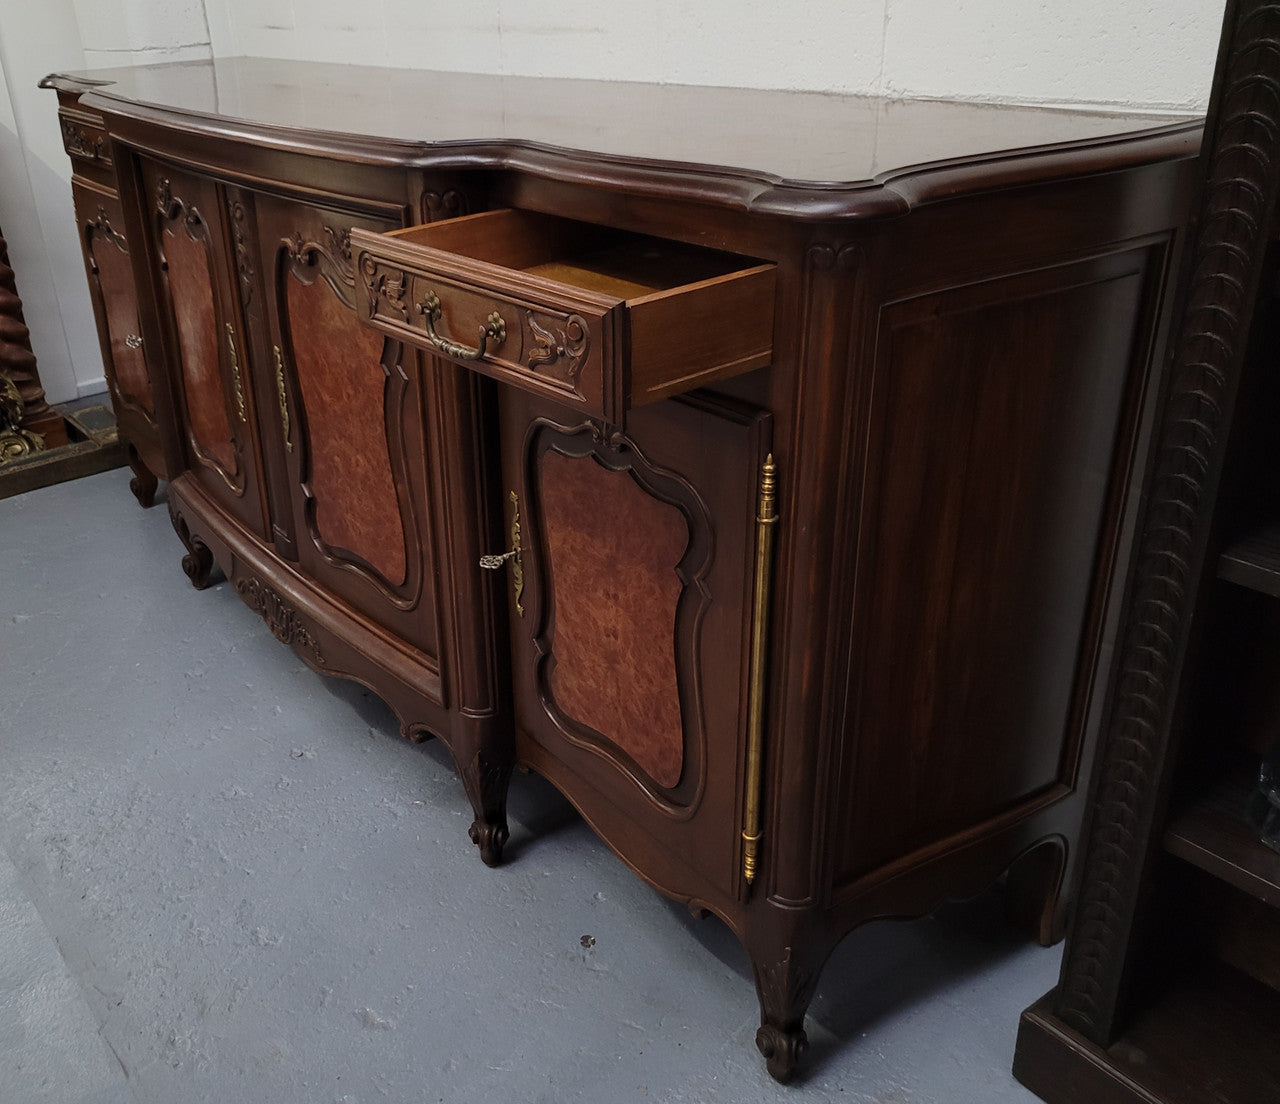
(785, 983)
(485, 779)
(782, 1050)
(1034, 892)
(490, 838)
(197, 564)
(144, 483)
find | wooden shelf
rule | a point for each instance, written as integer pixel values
(1208, 1038)
(1213, 834)
(1254, 562)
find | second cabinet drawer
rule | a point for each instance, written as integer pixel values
(598, 319)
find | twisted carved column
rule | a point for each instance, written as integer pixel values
(18, 362)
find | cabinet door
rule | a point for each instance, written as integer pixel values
(350, 419)
(115, 308)
(630, 614)
(206, 349)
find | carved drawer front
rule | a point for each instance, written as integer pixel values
(596, 319)
(83, 137)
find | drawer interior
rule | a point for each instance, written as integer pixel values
(615, 263)
(604, 318)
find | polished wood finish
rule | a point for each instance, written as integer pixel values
(597, 319)
(1254, 561)
(113, 290)
(813, 155)
(1170, 986)
(800, 544)
(1209, 1040)
(1212, 834)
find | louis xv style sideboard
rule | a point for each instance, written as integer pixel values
(755, 466)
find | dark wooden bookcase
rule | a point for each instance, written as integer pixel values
(1170, 988)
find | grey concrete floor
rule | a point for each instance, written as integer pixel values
(226, 879)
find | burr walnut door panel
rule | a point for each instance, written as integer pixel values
(207, 346)
(115, 308)
(630, 611)
(350, 417)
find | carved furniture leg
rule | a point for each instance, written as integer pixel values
(144, 483)
(198, 562)
(786, 980)
(485, 778)
(1034, 898)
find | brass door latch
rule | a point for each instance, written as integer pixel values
(494, 562)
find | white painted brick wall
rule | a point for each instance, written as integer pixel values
(1131, 53)
(1136, 53)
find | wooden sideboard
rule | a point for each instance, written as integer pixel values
(760, 480)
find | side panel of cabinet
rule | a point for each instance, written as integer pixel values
(349, 417)
(115, 307)
(205, 344)
(630, 613)
(1003, 414)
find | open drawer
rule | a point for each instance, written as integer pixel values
(595, 318)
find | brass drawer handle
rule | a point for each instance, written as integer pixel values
(284, 398)
(494, 562)
(132, 341)
(495, 330)
(235, 372)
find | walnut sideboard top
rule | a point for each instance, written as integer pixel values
(804, 154)
(756, 466)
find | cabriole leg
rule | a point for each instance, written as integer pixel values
(486, 778)
(1035, 897)
(198, 563)
(786, 979)
(144, 483)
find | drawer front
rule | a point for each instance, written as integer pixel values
(84, 137)
(597, 319)
(565, 350)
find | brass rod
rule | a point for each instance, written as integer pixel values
(766, 522)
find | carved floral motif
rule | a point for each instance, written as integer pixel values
(826, 257)
(79, 144)
(101, 228)
(164, 197)
(444, 205)
(385, 285)
(171, 207)
(558, 352)
(281, 618)
(244, 265)
(340, 244)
